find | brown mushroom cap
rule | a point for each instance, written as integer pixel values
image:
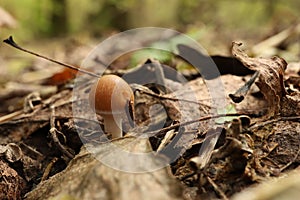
(110, 95)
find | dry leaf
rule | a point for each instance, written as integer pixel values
(87, 178)
(270, 82)
(11, 183)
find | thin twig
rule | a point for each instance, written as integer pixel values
(53, 133)
(217, 189)
(10, 116)
(12, 43)
(48, 169)
(172, 99)
(292, 161)
(194, 121)
(262, 124)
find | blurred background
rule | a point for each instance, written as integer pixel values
(253, 19)
(67, 30)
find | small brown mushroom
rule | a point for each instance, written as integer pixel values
(112, 98)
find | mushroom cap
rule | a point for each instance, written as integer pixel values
(110, 95)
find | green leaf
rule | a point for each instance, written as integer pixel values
(229, 109)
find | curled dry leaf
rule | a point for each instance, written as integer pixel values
(270, 82)
(11, 152)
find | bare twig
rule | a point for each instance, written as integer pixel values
(48, 169)
(10, 116)
(170, 98)
(53, 133)
(163, 130)
(264, 123)
(12, 43)
(217, 189)
(292, 161)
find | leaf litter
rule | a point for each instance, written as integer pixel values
(262, 141)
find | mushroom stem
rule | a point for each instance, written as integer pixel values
(113, 125)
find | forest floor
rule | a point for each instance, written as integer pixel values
(210, 136)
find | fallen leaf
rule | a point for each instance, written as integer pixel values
(11, 183)
(87, 178)
(61, 77)
(270, 82)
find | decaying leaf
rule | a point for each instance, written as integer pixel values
(11, 183)
(87, 178)
(11, 152)
(270, 82)
(237, 160)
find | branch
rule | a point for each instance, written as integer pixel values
(12, 43)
